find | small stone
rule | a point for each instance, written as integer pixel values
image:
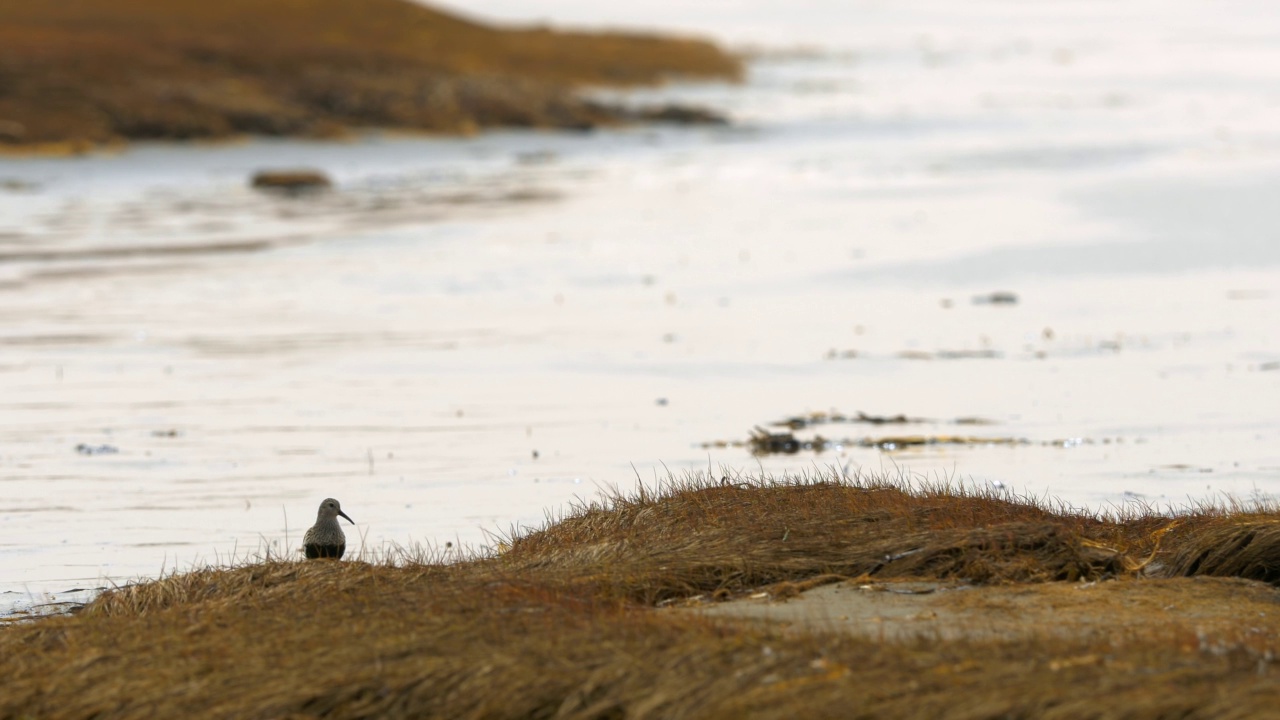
(291, 181)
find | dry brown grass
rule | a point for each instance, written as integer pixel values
(563, 623)
(692, 539)
(77, 71)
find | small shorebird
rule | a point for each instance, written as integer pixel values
(325, 538)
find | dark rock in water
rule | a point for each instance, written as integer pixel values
(291, 181)
(680, 115)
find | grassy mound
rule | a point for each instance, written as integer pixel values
(729, 539)
(563, 623)
(92, 71)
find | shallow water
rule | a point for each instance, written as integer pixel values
(467, 334)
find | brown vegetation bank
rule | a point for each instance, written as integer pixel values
(82, 72)
(611, 613)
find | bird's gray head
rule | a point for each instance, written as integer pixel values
(331, 509)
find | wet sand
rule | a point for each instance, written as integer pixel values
(950, 611)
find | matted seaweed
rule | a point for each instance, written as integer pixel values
(1247, 549)
(729, 539)
(764, 442)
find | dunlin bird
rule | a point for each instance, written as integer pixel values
(325, 538)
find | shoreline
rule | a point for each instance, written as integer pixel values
(102, 73)
(352, 136)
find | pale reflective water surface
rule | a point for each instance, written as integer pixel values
(467, 334)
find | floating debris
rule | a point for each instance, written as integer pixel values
(898, 419)
(1000, 297)
(799, 422)
(85, 449)
(763, 442)
(893, 443)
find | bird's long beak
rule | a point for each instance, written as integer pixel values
(353, 522)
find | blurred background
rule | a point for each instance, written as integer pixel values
(1028, 247)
